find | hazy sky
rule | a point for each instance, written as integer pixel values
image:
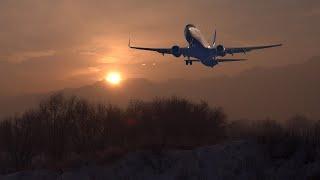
(47, 45)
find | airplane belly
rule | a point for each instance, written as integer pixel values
(209, 62)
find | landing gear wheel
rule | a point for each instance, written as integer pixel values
(188, 62)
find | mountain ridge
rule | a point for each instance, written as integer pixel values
(278, 92)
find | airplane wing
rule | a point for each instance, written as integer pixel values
(159, 50)
(247, 49)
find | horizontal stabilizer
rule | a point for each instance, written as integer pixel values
(193, 60)
(230, 60)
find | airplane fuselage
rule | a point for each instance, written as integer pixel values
(198, 47)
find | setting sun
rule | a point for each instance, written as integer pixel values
(114, 78)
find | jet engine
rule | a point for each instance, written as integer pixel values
(221, 50)
(176, 51)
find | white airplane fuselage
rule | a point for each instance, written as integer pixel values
(199, 48)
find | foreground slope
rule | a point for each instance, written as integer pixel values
(235, 160)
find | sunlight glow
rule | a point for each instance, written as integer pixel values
(113, 78)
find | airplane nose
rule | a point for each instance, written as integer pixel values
(187, 28)
(187, 33)
(190, 25)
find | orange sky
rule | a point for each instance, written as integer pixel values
(47, 45)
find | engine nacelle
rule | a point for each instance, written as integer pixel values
(176, 51)
(221, 50)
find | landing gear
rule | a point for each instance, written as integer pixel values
(188, 62)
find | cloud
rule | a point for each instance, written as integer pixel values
(42, 73)
(22, 56)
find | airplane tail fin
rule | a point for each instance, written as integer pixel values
(214, 38)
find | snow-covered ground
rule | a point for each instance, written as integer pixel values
(235, 160)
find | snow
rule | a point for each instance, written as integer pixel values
(235, 160)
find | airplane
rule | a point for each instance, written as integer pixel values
(199, 49)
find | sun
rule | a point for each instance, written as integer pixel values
(113, 78)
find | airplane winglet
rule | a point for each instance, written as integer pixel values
(129, 43)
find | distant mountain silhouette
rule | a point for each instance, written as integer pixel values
(258, 93)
